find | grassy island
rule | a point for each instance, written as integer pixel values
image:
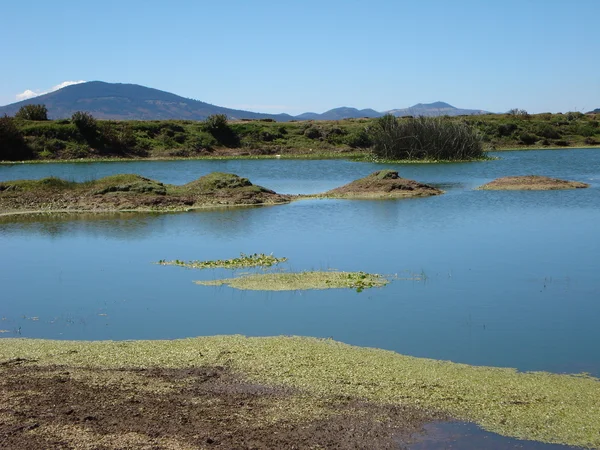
(531, 183)
(383, 184)
(132, 193)
(270, 392)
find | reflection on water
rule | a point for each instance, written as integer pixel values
(507, 278)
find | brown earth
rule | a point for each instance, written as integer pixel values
(531, 183)
(200, 408)
(132, 193)
(383, 184)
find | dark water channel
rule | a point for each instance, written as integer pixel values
(505, 278)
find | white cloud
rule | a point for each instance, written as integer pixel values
(28, 93)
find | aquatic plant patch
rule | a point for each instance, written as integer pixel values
(302, 281)
(244, 261)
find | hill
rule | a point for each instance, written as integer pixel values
(595, 111)
(119, 101)
(435, 109)
(129, 102)
(340, 113)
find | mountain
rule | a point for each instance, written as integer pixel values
(129, 102)
(435, 109)
(340, 113)
(134, 102)
(595, 111)
(420, 109)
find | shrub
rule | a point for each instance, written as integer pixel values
(32, 112)
(312, 132)
(217, 126)
(528, 138)
(86, 124)
(506, 129)
(12, 144)
(518, 112)
(359, 139)
(117, 138)
(425, 138)
(547, 131)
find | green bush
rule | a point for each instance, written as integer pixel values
(32, 112)
(359, 139)
(506, 129)
(547, 131)
(217, 126)
(12, 144)
(86, 124)
(425, 138)
(528, 138)
(312, 132)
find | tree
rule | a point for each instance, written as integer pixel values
(32, 112)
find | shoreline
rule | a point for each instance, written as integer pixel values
(302, 380)
(358, 156)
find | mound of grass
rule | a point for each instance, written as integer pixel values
(532, 183)
(541, 406)
(302, 281)
(383, 184)
(244, 261)
(131, 183)
(127, 192)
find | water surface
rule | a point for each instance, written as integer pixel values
(507, 278)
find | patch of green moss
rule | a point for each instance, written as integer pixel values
(302, 281)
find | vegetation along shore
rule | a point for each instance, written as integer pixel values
(29, 137)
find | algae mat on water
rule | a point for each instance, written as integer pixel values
(538, 405)
(282, 281)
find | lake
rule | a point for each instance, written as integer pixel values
(480, 277)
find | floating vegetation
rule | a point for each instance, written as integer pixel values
(302, 281)
(244, 261)
(537, 405)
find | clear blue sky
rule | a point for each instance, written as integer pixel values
(298, 56)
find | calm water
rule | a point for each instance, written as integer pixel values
(511, 278)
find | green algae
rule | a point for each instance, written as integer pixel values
(535, 405)
(283, 281)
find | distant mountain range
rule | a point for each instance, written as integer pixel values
(134, 102)
(595, 111)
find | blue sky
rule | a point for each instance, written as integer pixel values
(298, 56)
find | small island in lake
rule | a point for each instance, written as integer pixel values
(382, 184)
(532, 183)
(132, 193)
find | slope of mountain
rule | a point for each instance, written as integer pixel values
(129, 102)
(135, 102)
(435, 109)
(340, 113)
